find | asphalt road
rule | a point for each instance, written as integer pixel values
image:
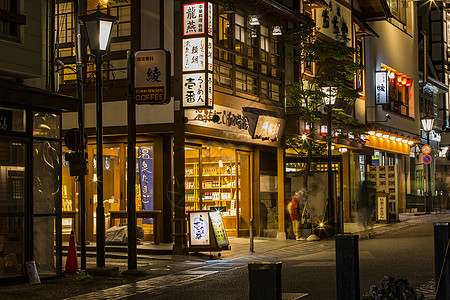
(405, 253)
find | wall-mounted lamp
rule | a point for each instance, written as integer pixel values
(254, 21)
(276, 30)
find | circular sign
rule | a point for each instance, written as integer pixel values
(426, 159)
(426, 149)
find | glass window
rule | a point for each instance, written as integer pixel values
(46, 174)
(12, 119)
(10, 27)
(12, 246)
(46, 125)
(222, 75)
(44, 245)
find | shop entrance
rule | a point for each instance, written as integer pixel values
(219, 178)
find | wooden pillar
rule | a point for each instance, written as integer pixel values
(256, 190)
(281, 207)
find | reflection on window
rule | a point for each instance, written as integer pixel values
(398, 9)
(46, 125)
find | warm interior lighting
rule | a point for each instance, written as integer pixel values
(372, 132)
(385, 136)
(392, 137)
(321, 224)
(378, 134)
(404, 81)
(410, 142)
(323, 129)
(399, 139)
(304, 137)
(404, 141)
(391, 75)
(408, 82)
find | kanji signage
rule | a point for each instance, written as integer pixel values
(381, 88)
(194, 54)
(5, 120)
(197, 90)
(382, 208)
(151, 77)
(197, 55)
(194, 18)
(268, 127)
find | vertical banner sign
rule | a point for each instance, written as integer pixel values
(381, 208)
(197, 55)
(145, 161)
(152, 77)
(381, 88)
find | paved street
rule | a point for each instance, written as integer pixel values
(402, 250)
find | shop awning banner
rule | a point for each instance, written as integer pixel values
(145, 161)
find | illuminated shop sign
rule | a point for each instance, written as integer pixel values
(382, 208)
(199, 228)
(381, 87)
(152, 77)
(268, 127)
(197, 90)
(197, 55)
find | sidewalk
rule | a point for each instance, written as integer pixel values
(165, 265)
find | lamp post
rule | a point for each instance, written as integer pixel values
(329, 101)
(427, 125)
(98, 28)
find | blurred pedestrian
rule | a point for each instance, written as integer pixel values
(365, 206)
(296, 208)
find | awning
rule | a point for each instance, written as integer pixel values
(316, 3)
(22, 95)
(366, 29)
(374, 9)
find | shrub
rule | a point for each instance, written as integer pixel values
(392, 289)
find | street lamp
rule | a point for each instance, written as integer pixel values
(329, 100)
(98, 28)
(427, 125)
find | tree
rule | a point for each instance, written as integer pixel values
(334, 72)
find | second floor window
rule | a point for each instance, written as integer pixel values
(10, 20)
(248, 58)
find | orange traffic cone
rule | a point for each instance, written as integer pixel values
(71, 262)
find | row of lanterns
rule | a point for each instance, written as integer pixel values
(392, 137)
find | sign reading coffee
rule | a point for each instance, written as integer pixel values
(152, 77)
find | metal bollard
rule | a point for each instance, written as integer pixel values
(347, 267)
(265, 280)
(441, 263)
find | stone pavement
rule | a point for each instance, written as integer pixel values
(167, 270)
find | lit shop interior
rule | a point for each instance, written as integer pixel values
(219, 179)
(114, 189)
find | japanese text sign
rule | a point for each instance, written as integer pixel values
(152, 77)
(194, 18)
(381, 87)
(199, 228)
(197, 90)
(381, 208)
(197, 51)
